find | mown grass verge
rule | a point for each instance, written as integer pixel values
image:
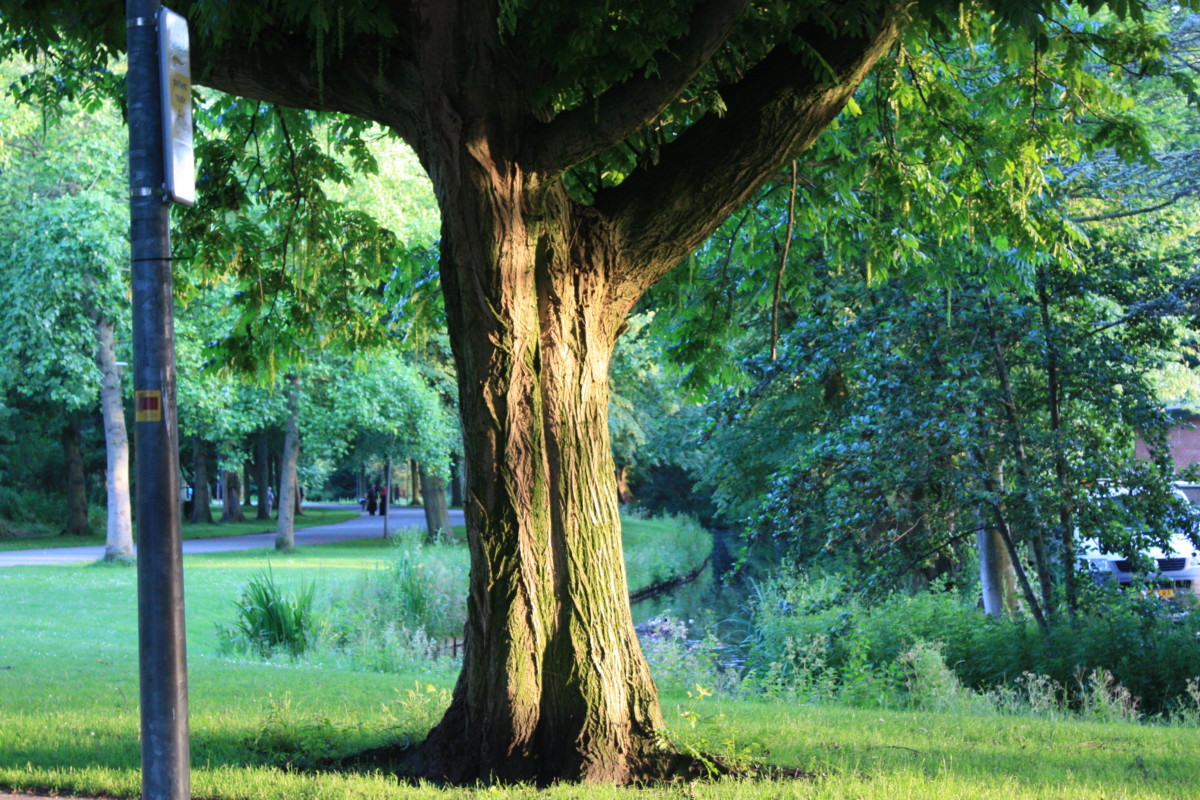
(69, 706)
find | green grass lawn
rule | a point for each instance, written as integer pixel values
(69, 711)
(311, 518)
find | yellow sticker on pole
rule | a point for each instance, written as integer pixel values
(148, 406)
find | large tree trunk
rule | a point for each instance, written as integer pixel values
(231, 509)
(118, 542)
(554, 684)
(536, 285)
(437, 515)
(201, 501)
(76, 499)
(262, 470)
(285, 532)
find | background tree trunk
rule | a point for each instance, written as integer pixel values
(456, 488)
(414, 483)
(996, 573)
(118, 541)
(262, 470)
(246, 483)
(201, 502)
(387, 497)
(77, 510)
(285, 532)
(231, 509)
(437, 515)
(624, 494)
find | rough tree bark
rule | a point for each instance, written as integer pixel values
(201, 501)
(437, 515)
(118, 543)
(76, 497)
(285, 531)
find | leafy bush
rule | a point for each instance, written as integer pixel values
(816, 637)
(680, 663)
(269, 621)
(34, 511)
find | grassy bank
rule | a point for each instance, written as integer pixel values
(69, 705)
(311, 518)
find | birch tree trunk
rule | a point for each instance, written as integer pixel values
(996, 573)
(118, 542)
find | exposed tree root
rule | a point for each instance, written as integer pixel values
(661, 768)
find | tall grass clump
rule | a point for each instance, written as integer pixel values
(408, 611)
(268, 620)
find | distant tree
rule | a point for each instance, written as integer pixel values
(62, 288)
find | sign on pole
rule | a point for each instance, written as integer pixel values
(175, 73)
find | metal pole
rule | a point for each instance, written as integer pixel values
(166, 770)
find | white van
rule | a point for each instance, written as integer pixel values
(1177, 566)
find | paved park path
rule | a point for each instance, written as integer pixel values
(365, 527)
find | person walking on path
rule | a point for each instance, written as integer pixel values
(372, 501)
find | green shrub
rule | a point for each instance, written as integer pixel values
(25, 511)
(269, 621)
(1124, 654)
(680, 663)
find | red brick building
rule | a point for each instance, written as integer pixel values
(1184, 441)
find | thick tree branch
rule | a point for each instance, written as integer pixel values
(1133, 212)
(383, 89)
(550, 148)
(778, 109)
